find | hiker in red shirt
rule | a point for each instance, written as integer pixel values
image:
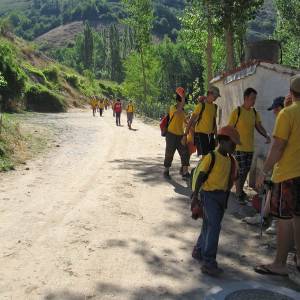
(118, 111)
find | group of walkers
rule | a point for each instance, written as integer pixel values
(117, 107)
(226, 158)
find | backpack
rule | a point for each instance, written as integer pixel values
(239, 114)
(164, 124)
(197, 211)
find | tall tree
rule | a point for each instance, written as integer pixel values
(88, 47)
(140, 18)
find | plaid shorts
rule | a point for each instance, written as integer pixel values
(244, 160)
(285, 199)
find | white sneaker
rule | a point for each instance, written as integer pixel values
(255, 220)
(272, 228)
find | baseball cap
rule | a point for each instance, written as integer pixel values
(215, 90)
(277, 102)
(232, 133)
(180, 91)
(295, 83)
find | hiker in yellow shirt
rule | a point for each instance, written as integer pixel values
(283, 159)
(245, 119)
(106, 104)
(101, 107)
(204, 121)
(94, 104)
(130, 112)
(175, 132)
(211, 184)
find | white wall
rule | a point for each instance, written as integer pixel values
(269, 84)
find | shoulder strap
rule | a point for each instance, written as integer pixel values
(201, 113)
(212, 163)
(215, 118)
(255, 114)
(238, 116)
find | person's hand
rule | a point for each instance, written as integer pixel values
(195, 201)
(268, 140)
(184, 140)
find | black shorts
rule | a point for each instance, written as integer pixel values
(204, 143)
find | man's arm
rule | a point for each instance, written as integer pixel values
(262, 131)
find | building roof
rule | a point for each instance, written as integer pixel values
(249, 68)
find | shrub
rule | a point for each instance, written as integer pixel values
(51, 74)
(73, 80)
(35, 74)
(40, 99)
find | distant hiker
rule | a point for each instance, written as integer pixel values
(245, 119)
(283, 159)
(204, 121)
(130, 112)
(175, 132)
(101, 107)
(106, 104)
(113, 102)
(118, 111)
(211, 184)
(94, 105)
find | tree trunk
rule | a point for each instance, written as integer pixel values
(144, 75)
(229, 48)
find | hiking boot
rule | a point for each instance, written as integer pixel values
(211, 271)
(196, 255)
(167, 174)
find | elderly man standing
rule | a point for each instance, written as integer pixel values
(284, 159)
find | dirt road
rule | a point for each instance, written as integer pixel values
(94, 219)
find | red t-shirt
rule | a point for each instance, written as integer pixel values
(118, 107)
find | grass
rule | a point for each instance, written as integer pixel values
(20, 141)
(8, 5)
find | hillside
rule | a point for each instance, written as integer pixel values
(35, 18)
(36, 82)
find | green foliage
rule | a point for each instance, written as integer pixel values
(12, 74)
(73, 80)
(52, 74)
(3, 82)
(87, 47)
(41, 99)
(288, 31)
(35, 74)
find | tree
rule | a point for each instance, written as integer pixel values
(140, 18)
(88, 47)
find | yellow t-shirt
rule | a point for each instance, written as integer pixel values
(177, 124)
(94, 103)
(245, 126)
(207, 123)
(287, 127)
(101, 105)
(219, 177)
(130, 108)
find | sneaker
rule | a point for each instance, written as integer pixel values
(167, 174)
(196, 255)
(255, 220)
(211, 271)
(272, 228)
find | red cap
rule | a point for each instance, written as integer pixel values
(232, 133)
(180, 91)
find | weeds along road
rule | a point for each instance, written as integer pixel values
(94, 219)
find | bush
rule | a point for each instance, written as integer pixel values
(35, 74)
(40, 99)
(73, 80)
(51, 74)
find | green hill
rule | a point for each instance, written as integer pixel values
(37, 17)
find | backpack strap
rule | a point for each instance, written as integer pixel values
(201, 113)
(215, 118)
(255, 113)
(238, 116)
(230, 178)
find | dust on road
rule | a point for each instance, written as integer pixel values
(94, 219)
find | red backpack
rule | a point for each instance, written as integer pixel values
(164, 124)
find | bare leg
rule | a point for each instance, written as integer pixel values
(284, 244)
